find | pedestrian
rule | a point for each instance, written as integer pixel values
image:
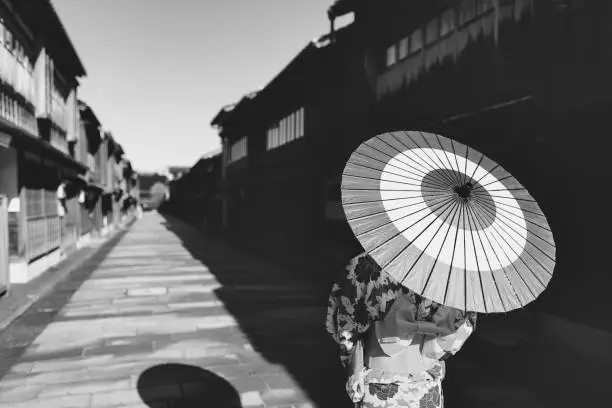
(138, 210)
(393, 341)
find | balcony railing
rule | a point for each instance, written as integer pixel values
(57, 138)
(17, 84)
(16, 71)
(14, 110)
(59, 111)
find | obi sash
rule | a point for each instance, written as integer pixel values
(400, 343)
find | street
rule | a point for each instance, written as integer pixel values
(169, 318)
(163, 316)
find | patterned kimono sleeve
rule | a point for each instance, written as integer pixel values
(444, 346)
(359, 298)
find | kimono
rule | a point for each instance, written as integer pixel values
(393, 342)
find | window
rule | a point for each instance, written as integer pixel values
(238, 150)
(302, 126)
(290, 128)
(416, 40)
(295, 125)
(431, 33)
(403, 48)
(300, 123)
(391, 55)
(466, 11)
(283, 138)
(447, 22)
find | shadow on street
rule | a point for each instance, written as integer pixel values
(282, 314)
(284, 321)
(17, 337)
(199, 388)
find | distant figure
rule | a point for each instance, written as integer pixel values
(393, 342)
(138, 210)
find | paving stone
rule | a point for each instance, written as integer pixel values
(118, 350)
(194, 288)
(86, 388)
(251, 399)
(60, 365)
(280, 382)
(121, 301)
(147, 291)
(115, 398)
(116, 372)
(196, 305)
(23, 368)
(72, 401)
(283, 396)
(12, 380)
(20, 393)
(67, 377)
(142, 309)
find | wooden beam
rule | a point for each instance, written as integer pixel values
(489, 108)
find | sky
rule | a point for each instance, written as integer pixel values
(158, 71)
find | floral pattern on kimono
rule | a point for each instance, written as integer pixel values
(363, 296)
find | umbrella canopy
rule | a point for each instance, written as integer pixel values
(447, 222)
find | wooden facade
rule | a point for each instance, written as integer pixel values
(196, 194)
(43, 160)
(282, 194)
(38, 117)
(525, 82)
(521, 81)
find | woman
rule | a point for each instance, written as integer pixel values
(393, 341)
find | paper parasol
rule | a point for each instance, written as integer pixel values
(447, 222)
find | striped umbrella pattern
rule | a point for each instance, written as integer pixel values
(447, 222)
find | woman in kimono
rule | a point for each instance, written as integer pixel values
(393, 342)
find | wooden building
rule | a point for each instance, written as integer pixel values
(110, 179)
(283, 149)
(50, 144)
(196, 195)
(525, 82)
(39, 73)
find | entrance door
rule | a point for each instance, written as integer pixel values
(4, 246)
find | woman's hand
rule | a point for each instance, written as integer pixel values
(345, 341)
(441, 346)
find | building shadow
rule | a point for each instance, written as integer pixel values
(284, 321)
(186, 386)
(18, 336)
(282, 314)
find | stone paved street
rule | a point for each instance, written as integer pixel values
(168, 318)
(165, 317)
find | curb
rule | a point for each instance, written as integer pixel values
(96, 245)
